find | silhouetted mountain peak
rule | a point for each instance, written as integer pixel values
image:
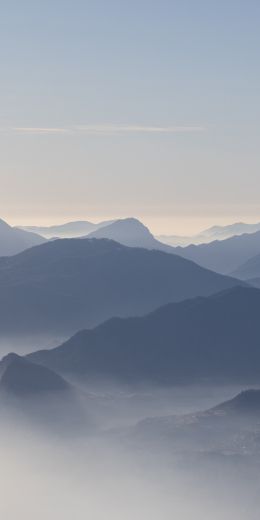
(21, 377)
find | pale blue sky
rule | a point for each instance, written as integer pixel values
(117, 108)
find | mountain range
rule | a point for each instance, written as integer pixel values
(73, 229)
(128, 231)
(66, 285)
(79, 228)
(210, 234)
(213, 339)
(224, 256)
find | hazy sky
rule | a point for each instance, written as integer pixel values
(118, 108)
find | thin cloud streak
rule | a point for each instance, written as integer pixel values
(103, 130)
(41, 131)
(136, 129)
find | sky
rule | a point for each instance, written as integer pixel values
(123, 108)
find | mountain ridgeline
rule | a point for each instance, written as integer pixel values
(224, 256)
(211, 234)
(199, 340)
(66, 285)
(13, 240)
(68, 230)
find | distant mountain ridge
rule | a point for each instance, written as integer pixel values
(13, 241)
(223, 256)
(203, 339)
(211, 234)
(128, 231)
(79, 228)
(66, 285)
(72, 229)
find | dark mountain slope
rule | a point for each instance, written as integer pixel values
(66, 285)
(35, 395)
(204, 339)
(22, 378)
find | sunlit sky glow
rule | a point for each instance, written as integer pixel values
(118, 108)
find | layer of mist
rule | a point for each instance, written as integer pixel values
(108, 474)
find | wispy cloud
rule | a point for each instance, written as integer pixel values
(38, 130)
(136, 129)
(103, 130)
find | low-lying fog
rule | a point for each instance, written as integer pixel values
(101, 476)
(122, 406)
(47, 480)
(108, 471)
